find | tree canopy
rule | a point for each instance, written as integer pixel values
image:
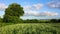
(13, 13)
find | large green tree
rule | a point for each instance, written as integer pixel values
(13, 13)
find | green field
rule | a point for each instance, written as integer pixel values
(30, 28)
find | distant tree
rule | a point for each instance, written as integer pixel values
(0, 19)
(54, 20)
(58, 20)
(31, 21)
(13, 13)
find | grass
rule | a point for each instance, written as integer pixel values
(31, 28)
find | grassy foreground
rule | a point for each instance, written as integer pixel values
(31, 28)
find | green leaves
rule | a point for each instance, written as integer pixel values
(15, 10)
(13, 13)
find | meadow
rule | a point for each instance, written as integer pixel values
(30, 28)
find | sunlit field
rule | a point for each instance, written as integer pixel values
(31, 28)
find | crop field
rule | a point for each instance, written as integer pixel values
(31, 28)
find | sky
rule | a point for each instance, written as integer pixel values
(34, 9)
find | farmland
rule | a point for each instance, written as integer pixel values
(30, 28)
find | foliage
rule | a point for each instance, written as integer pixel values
(12, 19)
(55, 20)
(13, 13)
(0, 19)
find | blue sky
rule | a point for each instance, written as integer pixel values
(35, 9)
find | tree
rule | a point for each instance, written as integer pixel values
(58, 20)
(0, 19)
(13, 13)
(54, 20)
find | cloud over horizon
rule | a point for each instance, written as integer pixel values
(45, 13)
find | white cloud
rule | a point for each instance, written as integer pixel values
(45, 13)
(33, 7)
(38, 6)
(27, 7)
(32, 13)
(54, 4)
(2, 6)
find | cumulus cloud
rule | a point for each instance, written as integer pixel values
(33, 7)
(38, 6)
(54, 4)
(27, 7)
(32, 13)
(2, 6)
(45, 13)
